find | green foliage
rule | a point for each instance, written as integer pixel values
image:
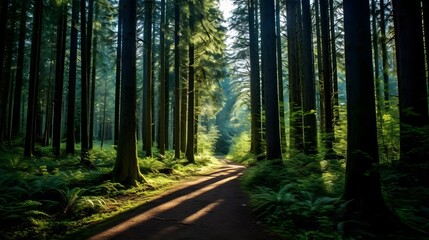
(240, 147)
(297, 197)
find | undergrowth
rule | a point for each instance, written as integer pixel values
(300, 198)
(47, 197)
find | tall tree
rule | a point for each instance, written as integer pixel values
(71, 98)
(3, 34)
(327, 78)
(118, 77)
(59, 77)
(255, 85)
(147, 78)
(190, 150)
(413, 107)
(176, 131)
(34, 78)
(126, 168)
(280, 76)
(16, 119)
(362, 182)
(309, 99)
(268, 47)
(84, 84)
(91, 51)
(384, 58)
(295, 97)
(163, 75)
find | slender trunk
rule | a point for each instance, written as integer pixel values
(327, 78)
(336, 103)
(177, 34)
(93, 79)
(191, 90)
(59, 82)
(91, 90)
(147, 78)
(16, 119)
(280, 78)
(118, 77)
(255, 86)
(84, 85)
(34, 78)
(295, 101)
(70, 144)
(184, 105)
(162, 86)
(384, 58)
(3, 36)
(310, 122)
(320, 69)
(379, 97)
(103, 128)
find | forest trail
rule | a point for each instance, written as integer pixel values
(210, 207)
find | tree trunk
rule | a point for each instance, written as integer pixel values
(3, 36)
(280, 78)
(295, 97)
(320, 69)
(336, 103)
(84, 85)
(362, 183)
(191, 89)
(177, 34)
(118, 77)
(327, 78)
(34, 78)
(71, 99)
(91, 74)
(147, 78)
(59, 79)
(384, 58)
(268, 45)
(162, 86)
(16, 119)
(126, 168)
(309, 98)
(413, 107)
(379, 97)
(255, 86)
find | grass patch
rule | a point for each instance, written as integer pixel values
(47, 197)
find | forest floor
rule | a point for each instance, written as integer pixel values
(210, 207)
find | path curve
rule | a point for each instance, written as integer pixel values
(211, 207)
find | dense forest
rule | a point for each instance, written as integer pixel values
(325, 101)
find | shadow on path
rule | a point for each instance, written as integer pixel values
(211, 207)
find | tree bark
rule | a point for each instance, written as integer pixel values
(71, 99)
(16, 119)
(59, 79)
(413, 107)
(118, 77)
(309, 98)
(255, 86)
(268, 45)
(327, 79)
(34, 78)
(362, 182)
(162, 86)
(176, 131)
(147, 78)
(126, 168)
(84, 85)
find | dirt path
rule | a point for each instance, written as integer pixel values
(211, 207)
